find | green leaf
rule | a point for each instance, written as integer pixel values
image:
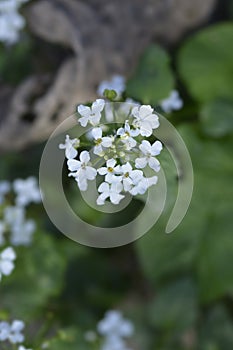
(175, 306)
(217, 117)
(215, 260)
(217, 330)
(206, 63)
(153, 79)
(38, 275)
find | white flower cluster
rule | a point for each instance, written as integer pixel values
(11, 21)
(115, 329)
(126, 153)
(12, 333)
(13, 219)
(116, 83)
(172, 103)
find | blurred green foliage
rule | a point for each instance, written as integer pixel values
(177, 288)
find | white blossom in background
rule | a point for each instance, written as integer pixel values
(7, 257)
(116, 83)
(27, 191)
(115, 330)
(11, 21)
(120, 155)
(70, 147)
(172, 102)
(12, 332)
(4, 189)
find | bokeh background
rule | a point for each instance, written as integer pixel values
(177, 289)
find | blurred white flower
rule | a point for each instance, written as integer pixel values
(145, 119)
(172, 102)
(16, 329)
(21, 347)
(22, 234)
(11, 22)
(70, 147)
(7, 257)
(12, 332)
(91, 114)
(116, 83)
(27, 191)
(114, 328)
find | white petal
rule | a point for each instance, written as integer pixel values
(82, 183)
(84, 157)
(101, 199)
(17, 326)
(121, 131)
(8, 254)
(126, 168)
(97, 133)
(115, 198)
(111, 163)
(145, 147)
(156, 148)
(90, 173)
(85, 111)
(146, 129)
(6, 267)
(83, 121)
(98, 106)
(154, 164)
(73, 164)
(71, 153)
(104, 187)
(107, 141)
(145, 111)
(102, 171)
(140, 163)
(98, 150)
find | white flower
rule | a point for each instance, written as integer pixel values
(117, 83)
(101, 141)
(27, 191)
(7, 257)
(91, 115)
(130, 177)
(22, 234)
(149, 151)
(4, 189)
(69, 146)
(145, 119)
(16, 335)
(13, 332)
(173, 102)
(114, 342)
(81, 171)
(127, 136)
(11, 22)
(114, 324)
(110, 171)
(14, 216)
(110, 191)
(142, 184)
